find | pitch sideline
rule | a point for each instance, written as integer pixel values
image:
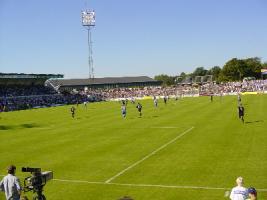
(147, 185)
(150, 185)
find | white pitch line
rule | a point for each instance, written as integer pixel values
(78, 181)
(151, 185)
(146, 185)
(142, 185)
(148, 156)
(169, 186)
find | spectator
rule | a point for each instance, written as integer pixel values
(252, 193)
(239, 192)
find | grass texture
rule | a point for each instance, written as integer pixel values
(190, 149)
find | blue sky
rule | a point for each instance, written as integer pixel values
(131, 37)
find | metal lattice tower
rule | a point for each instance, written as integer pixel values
(88, 21)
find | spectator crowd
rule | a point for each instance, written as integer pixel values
(235, 87)
(181, 90)
(26, 97)
(24, 90)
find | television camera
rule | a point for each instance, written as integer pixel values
(36, 181)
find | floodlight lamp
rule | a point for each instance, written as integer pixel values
(88, 18)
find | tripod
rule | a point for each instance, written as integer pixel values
(39, 193)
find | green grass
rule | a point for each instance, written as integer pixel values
(99, 144)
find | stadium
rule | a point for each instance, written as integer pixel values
(189, 135)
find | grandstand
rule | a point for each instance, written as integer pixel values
(14, 84)
(26, 91)
(26, 79)
(107, 83)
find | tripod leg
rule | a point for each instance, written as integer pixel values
(39, 197)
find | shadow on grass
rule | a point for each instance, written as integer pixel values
(256, 121)
(32, 125)
(9, 127)
(4, 128)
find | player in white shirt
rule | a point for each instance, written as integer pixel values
(85, 104)
(155, 101)
(132, 100)
(239, 192)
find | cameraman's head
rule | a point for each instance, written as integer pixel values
(11, 169)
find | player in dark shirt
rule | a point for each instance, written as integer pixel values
(165, 99)
(139, 108)
(72, 110)
(241, 112)
(211, 97)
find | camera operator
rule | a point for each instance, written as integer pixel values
(11, 185)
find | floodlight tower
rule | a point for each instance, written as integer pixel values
(88, 21)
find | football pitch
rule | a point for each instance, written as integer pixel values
(190, 149)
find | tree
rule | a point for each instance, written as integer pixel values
(233, 70)
(253, 67)
(236, 69)
(215, 72)
(264, 65)
(166, 80)
(183, 75)
(200, 71)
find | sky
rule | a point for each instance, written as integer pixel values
(131, 37)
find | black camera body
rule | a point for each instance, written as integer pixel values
(31, 169)
(37, 181)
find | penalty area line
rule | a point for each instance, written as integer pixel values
(149, 155)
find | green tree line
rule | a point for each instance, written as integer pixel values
(233, 70)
